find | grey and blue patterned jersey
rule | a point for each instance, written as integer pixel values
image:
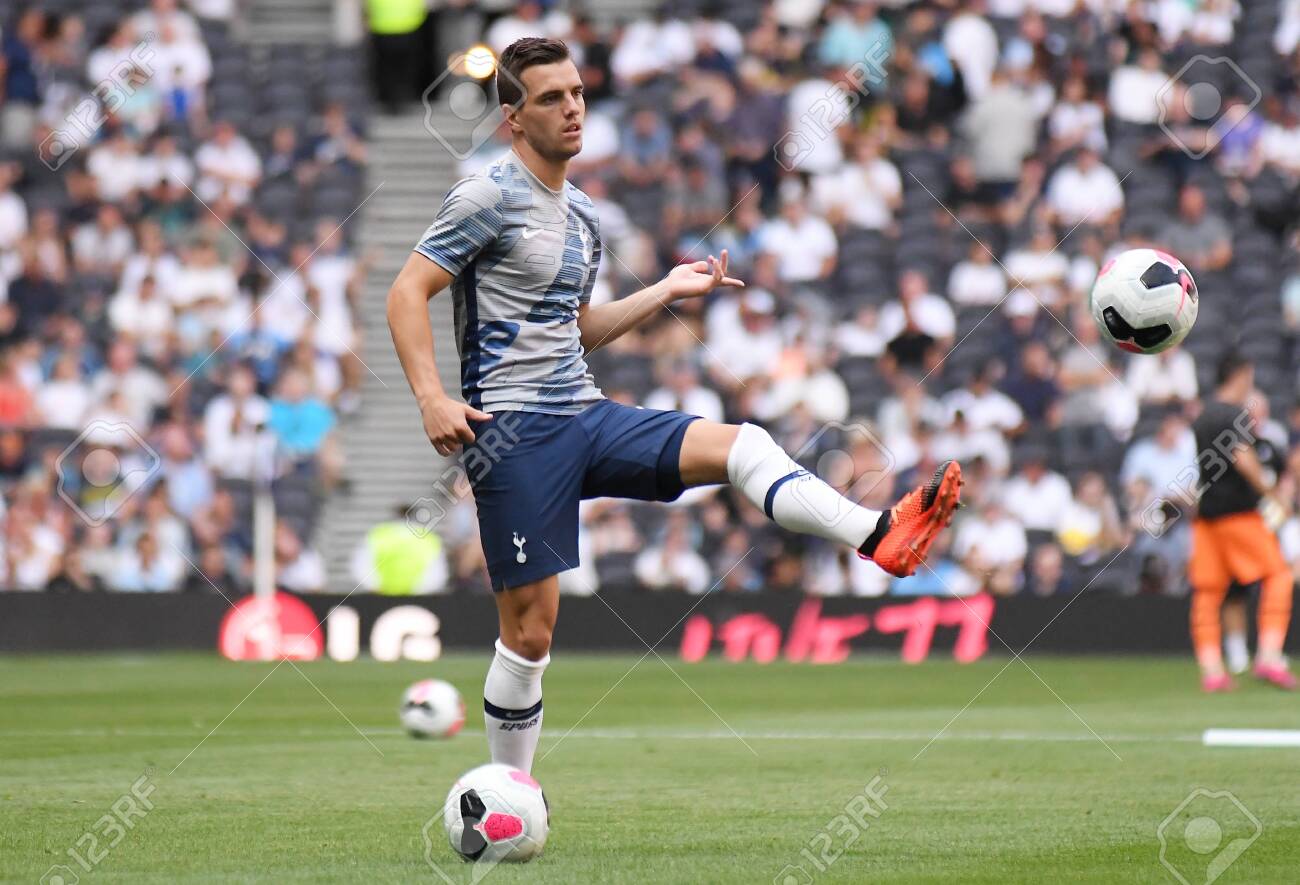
(523, 258)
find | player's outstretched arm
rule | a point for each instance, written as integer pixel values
(446, 421)
(600, 325)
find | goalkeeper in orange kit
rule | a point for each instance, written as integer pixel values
(1231, 542)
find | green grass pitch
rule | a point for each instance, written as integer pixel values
(730, 773)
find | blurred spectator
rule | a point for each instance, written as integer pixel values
(919, 325)
(232, 426)
(804, 244)
(1201, 237)
(1003, 126)
(395, 48)
(863, 193)
(398, 558)
(1085, 192)
(682, 392)
(297, 568)
(977, 280)
(855, 32)
(1091, 528)
(991, 545)
(145, 567)
(1036, 496)
(1077, 121)
(228, 166)
(984, 406)
(1169, 377)
(1134, 88)
(672, 563)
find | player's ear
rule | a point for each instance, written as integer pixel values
(510, 112)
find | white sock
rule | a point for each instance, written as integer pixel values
(1238, 654)
(792, 497)
(512, 707)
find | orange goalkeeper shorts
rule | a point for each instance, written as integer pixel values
(1238, 547)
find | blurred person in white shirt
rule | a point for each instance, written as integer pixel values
(681, 391)
(986, 407)
(101, 247)
(861, 336)
(167, 14)
(673, 564)
(204, 284)
(1036, 496)
(151, 259)
(1085, 191)
(164, 164)
(1076, 120)
(972, 44)
(13, 209)
(298, 567)
(744, 341)
(233, 426)
(113, 163)
(141, 388)
(1039, 266)
(929, 312)
(64, 399)
(1134, 88)
(144, 315)
(147, 566)
(992, 546)
(803, 243)
(977, 280)
(864, 193)
(228, 166)
(1166, 377)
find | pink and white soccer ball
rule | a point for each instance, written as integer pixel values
(1144, 301)
(496, 813)
(432, 708)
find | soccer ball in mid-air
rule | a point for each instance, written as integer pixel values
(432, 708)
(1144, 301)
(496, 813)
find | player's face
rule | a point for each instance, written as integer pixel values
(552, 115)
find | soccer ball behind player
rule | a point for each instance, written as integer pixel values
(432, 708)
(1144, 301)
(496, 813)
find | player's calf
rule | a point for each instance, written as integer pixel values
(512, 693)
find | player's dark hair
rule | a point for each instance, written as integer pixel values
(1231, 363)
(518, 57)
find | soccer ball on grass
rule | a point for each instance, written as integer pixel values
(432, 708)
(496, 813)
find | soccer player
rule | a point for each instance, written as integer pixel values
(519, 247)
(1231, 541)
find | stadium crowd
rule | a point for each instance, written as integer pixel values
(176, 295)
(919, 196)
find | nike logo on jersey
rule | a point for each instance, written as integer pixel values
(529, 234)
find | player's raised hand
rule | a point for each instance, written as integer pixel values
(700, 278)
(446, 423)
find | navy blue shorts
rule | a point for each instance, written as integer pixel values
(529, 471)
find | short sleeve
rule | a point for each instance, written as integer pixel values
(470, 219)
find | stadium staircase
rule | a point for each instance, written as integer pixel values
(289, 21)
(390, 462)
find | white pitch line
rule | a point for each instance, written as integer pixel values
(1251, 737)
(648, 735)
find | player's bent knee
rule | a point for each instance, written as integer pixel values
(705, 449)
(530, 640)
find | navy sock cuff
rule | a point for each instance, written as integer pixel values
(510, 715)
